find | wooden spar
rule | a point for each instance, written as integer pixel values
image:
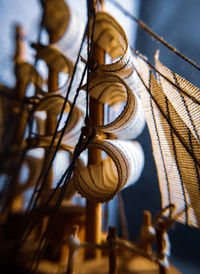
(93, 210)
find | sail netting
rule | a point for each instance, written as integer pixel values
(172, 111)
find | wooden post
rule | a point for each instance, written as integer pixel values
(19, 58)
(51, 121)
(147, 232)
(93, 210)
(72, 249)
(112, 251)
(160, 230)
(20, 88)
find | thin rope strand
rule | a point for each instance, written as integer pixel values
(153, 34)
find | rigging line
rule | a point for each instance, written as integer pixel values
(55, 133)
(123, 219)
(59, 141)
(63, 131)
(167, 120)
(67, 180)
(132, 247)
(41, 249)
(165, 77)
(29, 210)
(174, 148)
(91, 13)
(153, 34)
(159, 143)
(19, 244)
(34, 205)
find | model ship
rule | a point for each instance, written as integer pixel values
(107, 93)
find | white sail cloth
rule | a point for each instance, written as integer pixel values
(176, 148)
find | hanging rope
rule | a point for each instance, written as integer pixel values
(153, 34)
(123, 219)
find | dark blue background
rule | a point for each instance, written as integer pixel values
(178, 22)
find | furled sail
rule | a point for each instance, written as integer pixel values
(113, 84)
(171, 107)
(101, 182)
(110, 36)
(61, 55)
(109, 88)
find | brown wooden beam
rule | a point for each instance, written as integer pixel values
(93, 209)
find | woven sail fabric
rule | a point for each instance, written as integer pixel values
(110, 36)
(101, 182)
(176, 150)
(110, 89)
(184, 103)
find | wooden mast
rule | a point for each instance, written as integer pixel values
(20, 90)
(51, 119)
(93, 209)
(51, 123)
